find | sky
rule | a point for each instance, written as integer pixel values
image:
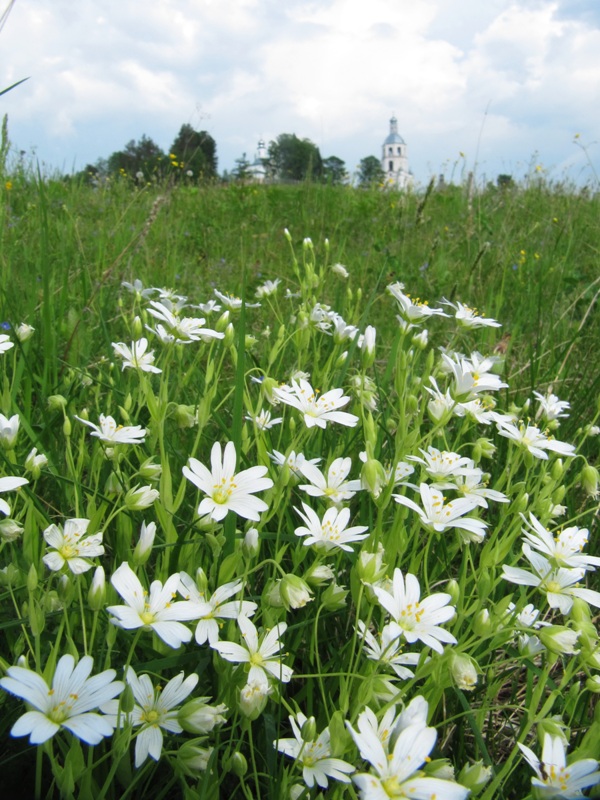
(490, 86)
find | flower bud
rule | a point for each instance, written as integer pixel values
(35, 462)
(32, 578)
(319, 574)
(186, 416)
(593, 684)
(453, 590)
(238, 764)
(24, 332)
(485, 447)
(372, 477)
(557, 469)
(309, 730)
(10, 530)
(589, 478)
(253, 698)
(294, 591)
(370, 566)
(9, 430)
(56, 402)
(482, 624)
(464, 671)
(251, 544)
(66, 589)
(474, 776)
(143, 548)
(222, 322)
(198, 717)
(67, 427)
(334, 597)
(420, 339)
(10, 575)
(140, 497)
(368, 347)
(229, 335)
(97, 591)
(273, 594)
(341, 360)
(137, 328)
(127, 699)
(192, 758)
(559, 639)
(150, 471)
(558, 495)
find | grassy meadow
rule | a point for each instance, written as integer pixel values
(285, 513)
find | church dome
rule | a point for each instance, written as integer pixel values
(393, 136)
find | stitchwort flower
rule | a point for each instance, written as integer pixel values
(227, 490)
(69, 703)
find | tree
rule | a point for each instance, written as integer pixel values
(143, 157)
(194, 151)
(241, 171)
(370, 172)
(295, 159)
(334, 171)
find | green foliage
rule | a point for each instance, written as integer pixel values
(193, 154)
(370, 172)
(334, 171)
(294, 159)
(141, 160)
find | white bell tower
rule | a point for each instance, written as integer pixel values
(394, 161)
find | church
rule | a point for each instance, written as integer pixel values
(394, 161)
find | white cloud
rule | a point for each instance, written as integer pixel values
(499, 79)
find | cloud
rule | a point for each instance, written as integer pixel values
(499, 79)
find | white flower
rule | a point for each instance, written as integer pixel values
(438, 515)
(470, 317)
(386, 649)
(292, 461)
(330, 532)
(183, 330)
(442, 404)
(314, 756)
(554, 778)
(110, 431)
(475, 491)
(35, 462)
(441, 464)
(5, 343)
(9, 430)
(213, 608)
(24, 332)
(263, 420)
(232, 302)
(563, 548)
(68, 703)
(157, 611)
(9, 484)
(139, 498)
(413, 618)
(550, 407)
(268, 288)
(318, 409)
(472, 376)
(137, 288)
(340, 269)
(136, 357)
(334, 487)
(71, 546)
(557, 584)
(397, 773)
(227, 490)
(532, 439)
(155, 710)
(412, 311)
(263, 656)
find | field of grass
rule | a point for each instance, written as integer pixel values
(450, 457)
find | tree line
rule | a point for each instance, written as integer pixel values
(193, 157)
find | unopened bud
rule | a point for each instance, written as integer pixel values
(196, 716)
(140, 497)
(32, 578)
(559, 639)
(238, 764)
(589, 478)
(474, 776)
(251, 544)
(97, 591)
(309, 730)
(143, 548)
(222, 322)
(294, 591)
(453, 590)
(137, 328)
(229, 335)
(464, 672)
(56, 402)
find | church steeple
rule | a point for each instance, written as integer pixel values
(394, 161)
